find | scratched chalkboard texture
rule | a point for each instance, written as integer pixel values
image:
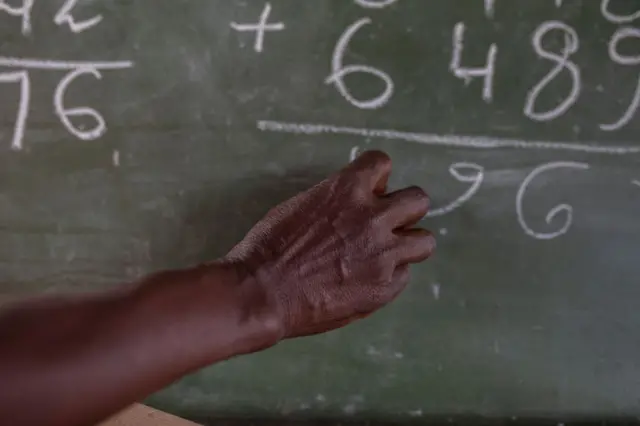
(138, 136)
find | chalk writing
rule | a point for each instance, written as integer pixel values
(562, 63)
(76, 69)
(456, 141)
(468, 74)
(375, 4)
(64, 114)
(21, 77)
(554, 42)
(64, 16)
(474, 178)
(615, 18)
(339, 71)
(620, 35)
(553, 213)
(260, 28)
(355, 151)
(471, 173)
(23, 12)
(489, 7)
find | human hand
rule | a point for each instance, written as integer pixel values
(339, 251)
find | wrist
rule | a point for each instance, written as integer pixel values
(256, 309)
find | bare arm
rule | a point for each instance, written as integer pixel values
(76, 360)
(332, 255)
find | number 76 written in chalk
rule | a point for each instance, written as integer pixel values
(22, 78)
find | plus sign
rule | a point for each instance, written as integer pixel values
(260, 28)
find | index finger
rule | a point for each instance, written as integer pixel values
(374, 168)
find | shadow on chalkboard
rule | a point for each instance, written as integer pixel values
(214, 219)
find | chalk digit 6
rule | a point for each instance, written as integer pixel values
(339, 71)
(66, 113)
(553, 212)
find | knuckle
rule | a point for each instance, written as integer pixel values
(376, 159)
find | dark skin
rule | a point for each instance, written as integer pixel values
(330, 256)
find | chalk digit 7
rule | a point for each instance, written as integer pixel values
(21, 77)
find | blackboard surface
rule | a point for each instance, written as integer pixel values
(138, 136)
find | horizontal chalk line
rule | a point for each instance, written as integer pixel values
(50, 64)
(479, 142)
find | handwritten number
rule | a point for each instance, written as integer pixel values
(616, 19)
(21, 77)
(65, 113)
(64, 16)
(474, 175)
(489, 8)
(468, 74)
(553, 212)
(23, 11)
(619, 36)
(572, 43)
(339, 72)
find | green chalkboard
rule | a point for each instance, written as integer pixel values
(144, 135)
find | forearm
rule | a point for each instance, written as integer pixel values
(75, 360)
